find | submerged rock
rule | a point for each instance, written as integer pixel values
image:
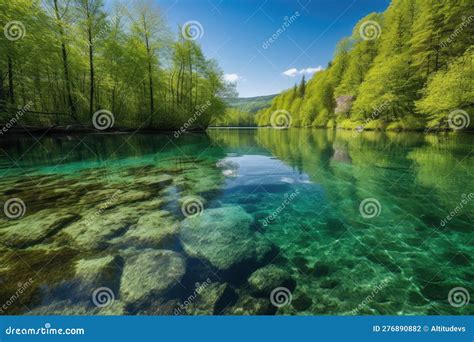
(98, 272)
(211, 299)
(125, 197)
(69, 307)
(155, 230)
(95, 231)
(223, 237)
(301, 301)
(248, 305)
(152, 272)
(266, 279)
(154, 181)
(36, 228)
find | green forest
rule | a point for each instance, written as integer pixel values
(409, 68)
(61, 61)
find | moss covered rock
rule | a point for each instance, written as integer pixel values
(151, 272)
(223, 237)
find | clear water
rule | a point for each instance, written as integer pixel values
(404, 260)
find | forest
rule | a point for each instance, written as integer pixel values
(74, 63)
(409, 68)
(78, 63)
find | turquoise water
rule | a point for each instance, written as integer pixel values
(365, 223)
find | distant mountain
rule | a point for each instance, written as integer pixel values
(251, 104)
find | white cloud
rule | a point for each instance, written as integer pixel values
(232, 77)
(291, 72)
(305, 71)
(310, 71)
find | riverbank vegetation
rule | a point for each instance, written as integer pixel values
(410, 67)
(68, 59)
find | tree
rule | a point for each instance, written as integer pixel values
(91, 18)
(302, 87)
(60, 15)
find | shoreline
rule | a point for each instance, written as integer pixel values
(84, 130)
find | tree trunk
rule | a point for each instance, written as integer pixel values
(2, 93)
(91, 59)
(11, 93)
(150, 76)
(72, 107)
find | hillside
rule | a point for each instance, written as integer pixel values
(410, 67)
(251, 104)
(241, 111)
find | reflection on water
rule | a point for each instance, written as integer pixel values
(212, 224)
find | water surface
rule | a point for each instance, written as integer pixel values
(86, 198)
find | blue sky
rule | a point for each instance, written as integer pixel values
(234, 33)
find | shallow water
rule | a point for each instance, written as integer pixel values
(359, 222)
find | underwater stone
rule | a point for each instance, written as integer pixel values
(212, 299)
(223, 237)
(99, 272)
(152, 272)
(96, 230)
(125, 197)
(301, 301)
(266, 279)
(68, 308)
(33, 229)
(154, 181)
(248, 305)
(155, 230)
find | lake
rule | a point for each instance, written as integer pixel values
(238, 221)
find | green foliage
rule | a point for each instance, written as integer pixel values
(234, 117)
(448, 89)
(250, 104)
(416, 70)
(77, 58)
